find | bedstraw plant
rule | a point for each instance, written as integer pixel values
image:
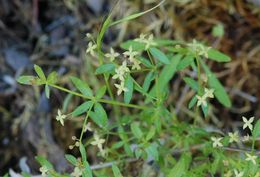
(141, 121)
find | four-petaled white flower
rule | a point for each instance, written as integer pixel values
(97, 141)
(88, 127)
(121, 71)
(201, 100)
(131, 54)
(44, 170)
(248, 123)
(149, 42)
(141, 38)
(91, 48)
(136, 65)
(251, 158)
(121, 88)
(233, 137)
(199, 48)
(216, 142)
(76, 172)
(209, 93)
(112, 55)
(60, 117)
(238, 174)
(246, 138)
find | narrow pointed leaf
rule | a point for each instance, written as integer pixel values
(129, 84)
(82, 86)
(157, 54)
(39, 72)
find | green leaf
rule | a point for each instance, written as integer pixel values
(27, 80)
(47, 91)
(147, 81)
(82, 108)
(44, 162)
(39, 72)
(153, 151)
(105, 68)
(136, 46)
(166, 42)
(191, 82)
(101, 92)
(99, 116)
(156, 53)
(166, 74)
(116, 171)
(150, 134)
(52, 77)
(256, 130)
(192, 102)
(145, 61)
(137, 132)
(129, 84)
(82, 86)
(219, 91)
(181, 168)
(73, 160)
(205, 109)
(218, 30)
(104, 28)
(218, 56)
(83, 152)
(185, 62)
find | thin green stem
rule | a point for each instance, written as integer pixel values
(116, 103)
(85, 123)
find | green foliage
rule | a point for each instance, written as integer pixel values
(147, 128)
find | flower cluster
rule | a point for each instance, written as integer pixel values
(202, 100)
(234, 137)
(147, 41)
(131, 56)
(121, 73)
(199, 48)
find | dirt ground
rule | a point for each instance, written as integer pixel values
(52, 35)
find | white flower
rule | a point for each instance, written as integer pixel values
(97, 141)
(248, 123)
(103, 152)
(88, 127)
(77, 172)
(251, 158)
(199, 48)
(121, 71)
(246, 138)
(44, 170)
(89, 35)
(149, 42)
(112, 55)
(131, 54)
(60, 117)
(91, 48)
(201, 100)
(238, 174)
(209, 93)
(121, 88)
(136, 65)
(141, 38)
(216, 142)
(233, 137)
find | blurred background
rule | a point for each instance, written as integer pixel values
(52, 34)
